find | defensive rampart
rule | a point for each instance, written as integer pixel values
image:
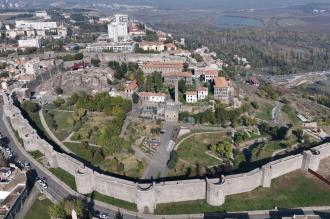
(148, 195)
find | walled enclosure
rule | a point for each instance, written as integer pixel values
(147, 196)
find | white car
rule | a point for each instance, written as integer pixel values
(103, 216)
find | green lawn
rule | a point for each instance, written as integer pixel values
(66, 177)
(39, 209)
(289, 191)
(116, 202)
(63, 127)
(265, 112)
(290, 114)
(193, 149)
(36, 154)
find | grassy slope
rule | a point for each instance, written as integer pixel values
(289, 191)
(66, 177)
(39, 210)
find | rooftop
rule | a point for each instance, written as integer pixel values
(163, 65)
(202, 89)
(132, 86)
(220, 82)
(177, 74)
(150, 94)
(191, 93)
(213, 72)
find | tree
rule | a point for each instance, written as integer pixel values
(57, 210)
(31, 106)
(135, 98)
(299, 133)
(58, 102)
(173, 160)
(185, 66)
(58, 90)
(222, 148)
(95, 62)
(182, 86)
(140, 79)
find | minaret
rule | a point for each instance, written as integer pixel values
(176, 92)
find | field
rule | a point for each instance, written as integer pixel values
(63, 127)
(297, 189)
(113, 201)
(265, 112)
(66, 177)
(192, 150)
(39, 209)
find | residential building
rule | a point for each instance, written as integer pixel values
(210, 74)
(253, 81)
(112, 46)
(135, 30)
(191, 96)
(221, 89)
(161, 36)
(170, 47)
(170, 78)
(152, 97)
(118, 29)
(150, 67)
(42, 14)
(12, 190)
(132, 88)
(180, 52)
(29, 43)
(202, 93)
(25, 24)
(152, 46)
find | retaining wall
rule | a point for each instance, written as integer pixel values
(146, 196)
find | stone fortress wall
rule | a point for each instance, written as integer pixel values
(131, 57)
(147, 195)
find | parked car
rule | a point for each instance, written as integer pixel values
(103, 216)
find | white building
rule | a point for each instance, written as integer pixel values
(29, 43)
(202, 93)
(116, 47)
(210, 74)
(152, 46)
(22, 24)
(42, 14)
(152, 97)
(191, 96)
(118, 29)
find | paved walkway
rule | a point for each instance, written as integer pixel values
(68, 140)
(158, 164)
(51, 134)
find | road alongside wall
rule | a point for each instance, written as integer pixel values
(148, 195)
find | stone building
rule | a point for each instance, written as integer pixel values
(221, 89)
(170, 78)
(164, 67)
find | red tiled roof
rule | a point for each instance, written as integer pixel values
(185, 74)
(163, 65)
(220, 82)
(132, 86)
(212, 72)
(202, 89)
(190, 93)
